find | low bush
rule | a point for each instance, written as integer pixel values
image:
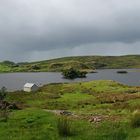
(64, 127)
(3, 93)
(73, 73)
(35, 67)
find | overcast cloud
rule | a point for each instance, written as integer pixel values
(42, 29)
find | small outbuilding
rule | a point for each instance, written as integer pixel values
(29, 87)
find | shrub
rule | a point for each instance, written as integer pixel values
(73, 73)
(135, 120)
(64, 127)
(35, 67)
(3, 93)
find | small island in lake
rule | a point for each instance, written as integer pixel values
(73, 73)
(122, 72)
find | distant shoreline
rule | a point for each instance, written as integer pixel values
(83, 63)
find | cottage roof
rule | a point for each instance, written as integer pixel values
(29, 85)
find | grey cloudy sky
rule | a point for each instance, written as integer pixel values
(42, 29)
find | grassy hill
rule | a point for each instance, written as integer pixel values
(101, 110)
(86, 63)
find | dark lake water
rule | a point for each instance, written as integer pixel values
(15, 81)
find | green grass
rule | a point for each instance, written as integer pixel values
(86, 63)
(115, 103)
(35, 124)
(135, 120)
(4, 68)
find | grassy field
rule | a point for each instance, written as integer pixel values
(100, 110)
(86, 63)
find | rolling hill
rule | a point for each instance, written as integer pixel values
(86, 63)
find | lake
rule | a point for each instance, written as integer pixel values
(15, 81)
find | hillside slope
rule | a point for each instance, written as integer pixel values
(87, 63)
(96, 110)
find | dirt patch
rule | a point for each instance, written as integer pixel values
(63, 112)
(101, 118)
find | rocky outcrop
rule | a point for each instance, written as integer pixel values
(7, 105)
